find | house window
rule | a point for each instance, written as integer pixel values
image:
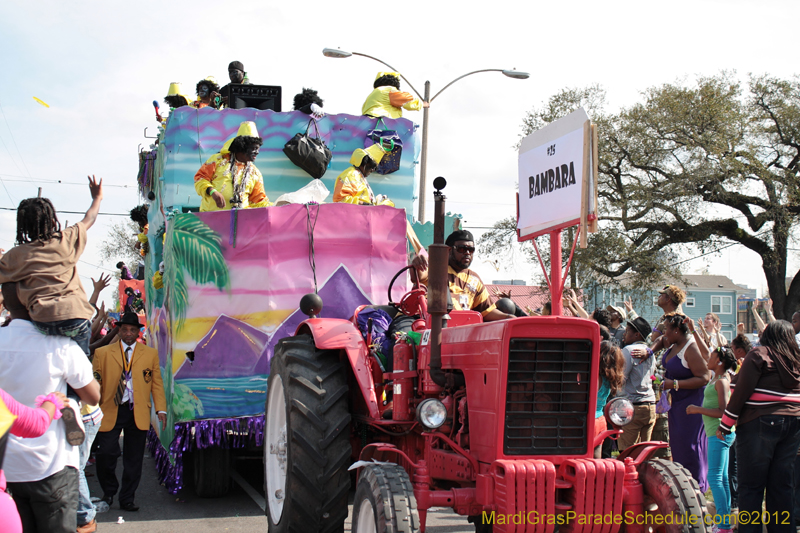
(689, 302)
(721, 305)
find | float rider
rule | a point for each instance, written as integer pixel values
(466, 288)
(351, 186)
(230, 178)
(387, 100)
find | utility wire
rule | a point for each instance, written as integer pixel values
(74, 212)
(56, 181)
(14, 141)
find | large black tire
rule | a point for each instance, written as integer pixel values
(311, 447)
(674, 491)
(384, 501)
(211, 468)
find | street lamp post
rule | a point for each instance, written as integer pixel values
(426, 101)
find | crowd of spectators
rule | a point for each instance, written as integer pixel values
(48, 379)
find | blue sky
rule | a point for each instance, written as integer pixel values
(100, 65)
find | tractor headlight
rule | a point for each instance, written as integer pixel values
(431, 413)
(619, 411)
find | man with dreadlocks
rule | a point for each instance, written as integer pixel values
(44, 264)
(387, 100)
(230, 177)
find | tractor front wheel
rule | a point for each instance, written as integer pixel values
(384, 501)
(670, 490)
(306, 439)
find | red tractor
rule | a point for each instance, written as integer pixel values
(494, 420)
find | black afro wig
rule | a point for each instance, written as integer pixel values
(385, 80)
(245, 143)
(210, 84)
(308, 96)
(139, 215)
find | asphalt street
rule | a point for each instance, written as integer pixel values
(241, 510)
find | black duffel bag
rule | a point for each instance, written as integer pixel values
(309, 153)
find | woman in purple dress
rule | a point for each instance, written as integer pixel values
(686, 376)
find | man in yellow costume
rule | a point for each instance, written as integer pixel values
(387, 100)
(230, 178)
(351, 185)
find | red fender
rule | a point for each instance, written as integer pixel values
(339, 334)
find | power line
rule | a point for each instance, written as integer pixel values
(57, 181)
(14, 141)
(74, 212)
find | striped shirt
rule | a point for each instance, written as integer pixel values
(768, 384)
(468, 291)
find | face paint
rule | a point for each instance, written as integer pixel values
(236, 75)
(202, 91)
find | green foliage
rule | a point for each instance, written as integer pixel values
(119, 244)
(694, 165)
(193, 248)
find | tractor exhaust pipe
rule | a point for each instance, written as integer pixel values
(438, 289)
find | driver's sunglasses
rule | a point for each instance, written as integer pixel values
(462, 249)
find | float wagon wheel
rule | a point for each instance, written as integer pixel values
(384, 501)
(211, 472)
(669, 489)
(306, 439)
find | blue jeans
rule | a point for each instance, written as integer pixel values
(77, 329)
(86, 511)
(733, 477)
(768, 447)
(717, 452)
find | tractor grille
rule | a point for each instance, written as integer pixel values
(547, 400)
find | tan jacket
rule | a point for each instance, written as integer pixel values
(146, 376)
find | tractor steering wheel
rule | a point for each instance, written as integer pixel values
(407, 304)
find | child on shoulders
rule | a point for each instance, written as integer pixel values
(44, 264)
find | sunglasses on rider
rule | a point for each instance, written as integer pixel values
(462, 249)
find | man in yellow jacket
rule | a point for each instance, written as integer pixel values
(129, 374)
(387, 100)
(351, 186)
(230, 178)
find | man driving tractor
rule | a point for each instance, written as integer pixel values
(466, 288)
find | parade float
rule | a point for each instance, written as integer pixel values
(231, 281)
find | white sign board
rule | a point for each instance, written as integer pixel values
(551, 174)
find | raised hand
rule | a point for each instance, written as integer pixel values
(101, 283)
(96, 188)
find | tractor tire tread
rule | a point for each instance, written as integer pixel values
(317, 437)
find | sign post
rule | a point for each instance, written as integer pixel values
(557, 190)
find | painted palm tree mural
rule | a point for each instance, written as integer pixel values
(192, 248)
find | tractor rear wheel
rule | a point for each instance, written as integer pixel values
(384, 501)
(669, 489)
(306, 439)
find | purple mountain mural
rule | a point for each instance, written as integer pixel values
(230, 349)
(340, 297)
(233, 348)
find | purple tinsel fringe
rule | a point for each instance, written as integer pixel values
(225, 433)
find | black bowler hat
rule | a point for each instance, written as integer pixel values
(641, 325)
(130, 319)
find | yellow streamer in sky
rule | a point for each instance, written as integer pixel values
(41, 102)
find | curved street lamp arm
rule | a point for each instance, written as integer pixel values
(464, 76)
(393, 69)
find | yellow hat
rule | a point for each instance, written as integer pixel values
(381, 74)
(176, 89)
(246, 129)
(212, 79)
(375, 152)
